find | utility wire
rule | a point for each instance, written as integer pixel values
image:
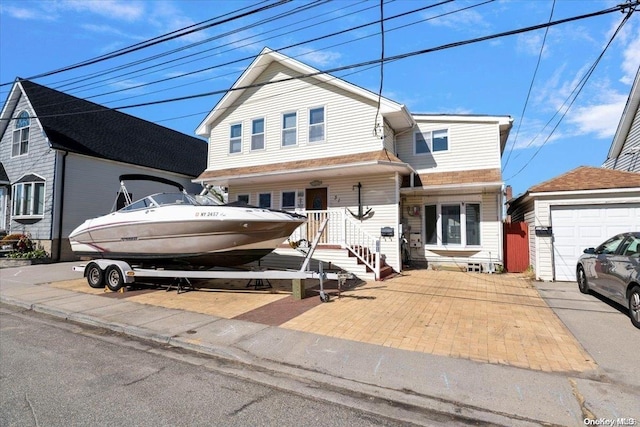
(375, 124)
(283, 48)
(155, 41)
(580, 85)
(533, 78)
(375, 61)
(91, 76)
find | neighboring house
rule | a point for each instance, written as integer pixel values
(584, 207)
(62, 156)
(327, 148)
(579, 209)
(624, 153)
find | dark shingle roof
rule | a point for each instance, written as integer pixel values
(110, 134)
(4, 178)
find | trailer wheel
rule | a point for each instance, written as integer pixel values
(95, 276)
(114, 279)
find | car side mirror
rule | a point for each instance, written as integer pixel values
(590, 251)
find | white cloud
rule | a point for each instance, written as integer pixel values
(21, 13)
(464, 20)
(317, 58)
(114, 9)
(599, 119)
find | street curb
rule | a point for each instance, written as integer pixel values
(399, 404)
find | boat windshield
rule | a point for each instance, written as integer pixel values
(165, 199)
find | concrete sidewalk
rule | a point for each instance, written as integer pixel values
(474, 346)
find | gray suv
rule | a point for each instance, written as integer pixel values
(613, 270)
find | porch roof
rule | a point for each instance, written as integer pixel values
(373, 162)
(434, 182)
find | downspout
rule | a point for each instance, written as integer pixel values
(61, 211)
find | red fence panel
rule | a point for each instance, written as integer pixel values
(516, 247)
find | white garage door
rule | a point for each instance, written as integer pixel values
(576, 228)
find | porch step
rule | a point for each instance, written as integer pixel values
(334, 259)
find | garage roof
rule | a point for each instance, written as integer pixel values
(589, 178)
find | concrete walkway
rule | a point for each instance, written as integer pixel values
(473, 346)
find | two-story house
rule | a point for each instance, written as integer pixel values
(287, 136)
(61, 156)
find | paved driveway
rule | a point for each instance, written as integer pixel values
(499, 318)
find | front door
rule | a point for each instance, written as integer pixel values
(316, 202)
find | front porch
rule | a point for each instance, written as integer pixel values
(343, 244)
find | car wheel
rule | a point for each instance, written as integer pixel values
(95, 276)
(583, 283)
(634, 306)
(114, 279)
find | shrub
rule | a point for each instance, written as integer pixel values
(24, 247)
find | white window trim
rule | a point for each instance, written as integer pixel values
(30, 215)
(429, 141)
(282, 129)
(16, 129)
(463, 225)
(264, 134)
(270, 199)
(295, 198)
(231, 125)
(324, 124)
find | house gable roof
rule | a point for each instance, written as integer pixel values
(79, 126)
(396, 114)
(4, 178)
(586, 178)
(629, 113)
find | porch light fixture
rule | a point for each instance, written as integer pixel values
(315, 183)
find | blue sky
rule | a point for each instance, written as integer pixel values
(491, 77)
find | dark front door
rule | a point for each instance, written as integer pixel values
(316, 202)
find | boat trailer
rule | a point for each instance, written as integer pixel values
(114, 275)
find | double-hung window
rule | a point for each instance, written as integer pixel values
(257, 134)
(20, 144)
(289, 129)
(452, 224)
(431, 141)
(316, 124)
(235, 138)
(28, 197)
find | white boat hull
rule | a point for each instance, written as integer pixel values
(199, 235)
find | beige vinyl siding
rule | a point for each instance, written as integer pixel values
(91, 187)
(349, 122)
(379, 192)
(529, 218)
(471, 146)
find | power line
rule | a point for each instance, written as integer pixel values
(579, 86)
(157, 40)
(533, 78)
(376, 61)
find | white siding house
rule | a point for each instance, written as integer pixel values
(624, 153)
(287, 136)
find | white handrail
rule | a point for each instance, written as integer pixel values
(361, 244)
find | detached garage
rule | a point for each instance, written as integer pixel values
(574, 211)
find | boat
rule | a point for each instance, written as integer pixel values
(177, 228)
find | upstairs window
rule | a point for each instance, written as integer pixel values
(431, 141)
(289, 129)
(257, 134)
(28, 197)
(316, 124)
(20, 145)
(235, 139)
